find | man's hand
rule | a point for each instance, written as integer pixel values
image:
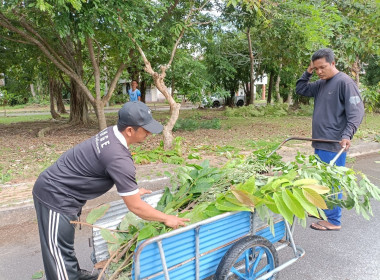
(345, 143)
(175, 222)
(310, 69)
(143, 191)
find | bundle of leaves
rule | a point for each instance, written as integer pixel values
(258, 111)
(191, 124)
(159, 154)
(198, 192)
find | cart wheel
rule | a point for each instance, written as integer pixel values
(249, 258)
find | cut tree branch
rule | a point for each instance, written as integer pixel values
(114, 81)
(95, 67)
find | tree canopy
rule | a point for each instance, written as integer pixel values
(194, 47)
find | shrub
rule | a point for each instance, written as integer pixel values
(371, 98)
(258, 111)
(194, 124)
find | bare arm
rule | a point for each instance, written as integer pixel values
(147, 212)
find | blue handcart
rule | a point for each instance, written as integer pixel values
(233, 245)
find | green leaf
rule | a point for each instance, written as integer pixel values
(281, 206)
(97, 213)
(293, 204)
(248, 186)
(305, 182)
(38, 275)
(244, 197)
(147, 231)
(278, 182)
(314, 198)
(165, 199)
(194, 156)
(202, 185)
(271, 204)
(108, 236)
(198, 213)
(212, 211)
(129, 219)
(317, 188)
(307, 205)
(224, 205)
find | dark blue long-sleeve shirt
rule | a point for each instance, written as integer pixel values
(338, 108)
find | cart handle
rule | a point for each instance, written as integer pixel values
(313, 140)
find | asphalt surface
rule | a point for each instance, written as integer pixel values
(353, 253)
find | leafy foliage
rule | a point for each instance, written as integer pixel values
(371, 98)
(276, 110)
(159, 154)
(97, 213)
(192, 124)
(304, 186)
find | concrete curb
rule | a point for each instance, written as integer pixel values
(25, 211)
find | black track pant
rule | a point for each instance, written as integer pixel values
(57, 243)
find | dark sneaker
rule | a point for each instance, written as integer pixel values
(88, 275)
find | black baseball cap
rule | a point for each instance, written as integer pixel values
(136, 113)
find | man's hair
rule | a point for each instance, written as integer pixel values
(135, 81)
(121, 126)
(326, 53)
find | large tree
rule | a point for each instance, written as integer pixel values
(356, 39)
(164, 26)
(72, 36)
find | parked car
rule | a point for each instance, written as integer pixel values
(215, 102)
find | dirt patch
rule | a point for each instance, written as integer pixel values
(25, 155)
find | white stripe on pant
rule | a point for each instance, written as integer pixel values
(57, 236)
(53, 245)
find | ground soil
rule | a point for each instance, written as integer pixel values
(25, 152)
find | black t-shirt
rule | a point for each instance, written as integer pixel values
(87, 171)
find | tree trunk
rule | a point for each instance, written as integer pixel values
(52, 91)
(58, 97)
(270, 88)
(356, 70)
(60, 105)
(230, 100)
(290, 97)
(32, 91)
(174, 112)
(143, 90)
(168, 128)
(78, 105)
(99, 110)
(173, 86)
(278, 96)
(252, 71)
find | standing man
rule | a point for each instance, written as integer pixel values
(338, 112)
(85, 172)
(134, 93)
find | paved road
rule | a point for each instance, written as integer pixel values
(107, 110)
(353, 253)
(350, 254)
